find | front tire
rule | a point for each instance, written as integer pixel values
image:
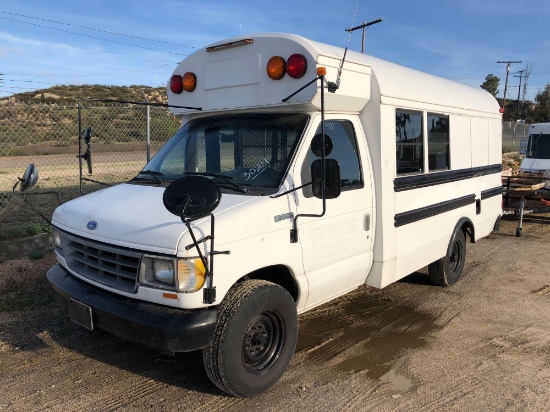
(254, 340)
(447, 270)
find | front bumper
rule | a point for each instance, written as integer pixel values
(166, 329)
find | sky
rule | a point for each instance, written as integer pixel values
(139, 42)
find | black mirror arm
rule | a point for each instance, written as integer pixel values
(36, 194)
(294, 230)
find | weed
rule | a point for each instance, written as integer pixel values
(36, 254)
(25, 231)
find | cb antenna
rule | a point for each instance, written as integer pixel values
(333, 86)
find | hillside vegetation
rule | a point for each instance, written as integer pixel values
(69, 95)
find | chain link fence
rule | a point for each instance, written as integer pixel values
(47, 135)
(513, 134)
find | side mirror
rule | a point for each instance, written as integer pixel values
(522, 152)
(333, 185)
(191, 197)
(523, 144)
(317, 145)
(88, 135)
(29, 179)
(88, 155)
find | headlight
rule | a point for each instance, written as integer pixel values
(56, 238)
(182, 275)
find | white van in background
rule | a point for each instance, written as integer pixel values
(536, 149)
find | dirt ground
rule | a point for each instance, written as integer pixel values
(481, 345)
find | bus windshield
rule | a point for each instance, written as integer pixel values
(538, 146)
(244, 153)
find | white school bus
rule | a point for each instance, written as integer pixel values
(297, 176)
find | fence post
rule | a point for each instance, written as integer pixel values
(147, 127)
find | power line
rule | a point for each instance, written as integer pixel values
(94, 29)
(78, 75)
(93, 37)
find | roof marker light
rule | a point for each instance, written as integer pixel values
(230, 44)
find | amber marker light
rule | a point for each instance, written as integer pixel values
(321, 71)
(189, 81)
(276, 68)
(170, 295)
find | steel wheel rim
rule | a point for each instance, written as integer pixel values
(263, 342)
(456, 257)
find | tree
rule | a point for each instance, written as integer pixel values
(542, 111)
(491, 84)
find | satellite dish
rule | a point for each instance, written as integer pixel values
(191, 197)
(29, 179)
(317, 145)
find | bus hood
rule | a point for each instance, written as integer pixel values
(131, 216)
(535, 165)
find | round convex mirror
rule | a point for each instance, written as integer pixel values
(317, 145)
(30, 177)
(192, 197)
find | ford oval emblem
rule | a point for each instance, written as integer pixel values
(91, 225)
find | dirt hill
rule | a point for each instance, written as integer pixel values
(72, 94)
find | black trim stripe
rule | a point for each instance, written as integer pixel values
(425, 212)
(401, 184)
(495, 191)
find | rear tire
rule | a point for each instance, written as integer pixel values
(254, 340)
(447, 270)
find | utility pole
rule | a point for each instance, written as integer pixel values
(517, 108)
(519, 90)
(364, 27)
(506, 83)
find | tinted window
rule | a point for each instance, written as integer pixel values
(408, 141)
(344, 150)
(438, 141)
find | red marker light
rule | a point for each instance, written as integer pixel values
(176, 84)
(296, 66)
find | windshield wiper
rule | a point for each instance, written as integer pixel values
(153, 174)
(227, 179)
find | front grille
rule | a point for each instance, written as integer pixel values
(107, 264)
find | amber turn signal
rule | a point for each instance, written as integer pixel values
(276, 68)
(189, 81)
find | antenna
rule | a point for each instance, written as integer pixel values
(332, 87)
(364, 27)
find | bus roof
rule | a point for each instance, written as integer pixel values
(231, 74)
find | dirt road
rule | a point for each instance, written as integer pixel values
(481, 345)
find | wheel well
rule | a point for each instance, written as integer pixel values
(467, 227)
(277, 274)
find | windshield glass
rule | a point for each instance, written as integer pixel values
(538, 146)
(248, 153)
